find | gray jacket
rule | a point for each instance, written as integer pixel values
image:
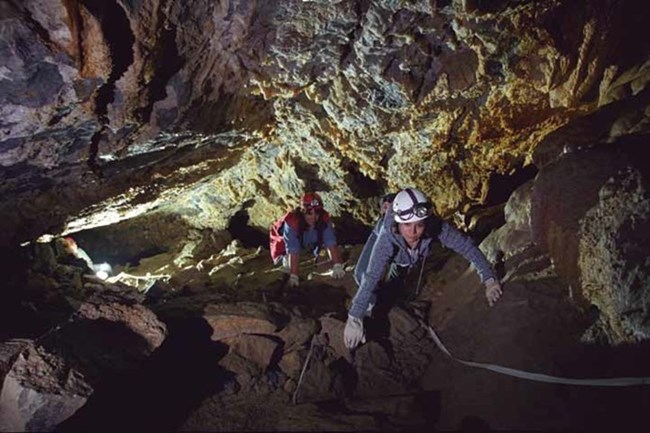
(390, 247)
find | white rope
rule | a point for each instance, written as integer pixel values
(614, 381)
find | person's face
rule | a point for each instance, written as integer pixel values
(311, 216)
(70, 247)
(412, 232)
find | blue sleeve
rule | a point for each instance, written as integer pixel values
(379, 258)
(329, 238)
(291, 241)
(364, 257)
(463, 245)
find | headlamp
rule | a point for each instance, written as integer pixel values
(314, 203)
(420, 210)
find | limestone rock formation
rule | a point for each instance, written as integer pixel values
(613, 257)
(202, 109)
(167, 135)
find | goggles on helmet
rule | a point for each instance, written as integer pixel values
(420, 210)
(313, 204)
(311, 201)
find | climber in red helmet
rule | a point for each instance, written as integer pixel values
(309, 228)
(70, 246)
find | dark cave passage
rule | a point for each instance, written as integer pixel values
(249, 237)
(118, 34)
(502, 186)
(160, 394)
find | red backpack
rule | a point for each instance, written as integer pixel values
(276, 240)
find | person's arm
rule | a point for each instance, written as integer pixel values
(80, 253)
(335, 254)
(379, 258)
(463, 245)
(329, 242)
(292, 244)
(294, 263)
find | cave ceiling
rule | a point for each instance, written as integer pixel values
(118, 108)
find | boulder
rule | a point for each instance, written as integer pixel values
(613, 257)
(292, 362)
(231, 320)
(332, 330)
(45, 381)
(515, 235)
(257, 349)
(40, 390)
(321, 381)
(565, 191)
(298, 332)
(377, 374)
(136, 318)
(239, 365)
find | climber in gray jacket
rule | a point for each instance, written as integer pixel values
(398, 243)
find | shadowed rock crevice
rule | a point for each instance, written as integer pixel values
(362, 185)
(32, 23)
(250, 237)
(167, 56)
(119, 36)
(501, 186)
(161, 393)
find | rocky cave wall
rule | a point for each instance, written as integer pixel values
(168, 121)
(200, 109)
(156, 131)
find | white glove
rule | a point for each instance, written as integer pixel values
(353, 333)
(286, 267)
(337, 271)
(294, 281)
(492, 291)
(371, 305)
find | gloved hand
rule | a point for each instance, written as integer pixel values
(337, 271)
(371, 305)
(492, 290)
(286, 267)
(294, 281)
(353, 333)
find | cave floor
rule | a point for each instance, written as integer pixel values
(534, 327)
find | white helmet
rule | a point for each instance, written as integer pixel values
(411, 205)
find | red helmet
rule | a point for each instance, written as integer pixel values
(69, 242)
(310, 201)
